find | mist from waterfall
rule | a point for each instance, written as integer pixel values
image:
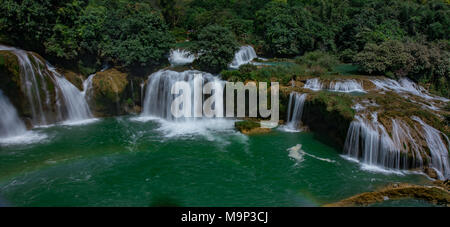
(10, 123)
(181, 57)
(12, 128)
(295, 111)
(244, 56)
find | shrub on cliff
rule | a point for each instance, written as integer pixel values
(216, 47)
(318, 58)
(136, 34)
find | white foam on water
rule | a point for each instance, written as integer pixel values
(285, 128)
(26, 138)
(145, 119)
(79, 122)
(298, 154)
(377, 169)
(201, 127)
(374, 168)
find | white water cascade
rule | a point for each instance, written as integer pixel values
(76, 107)
(158, 97)
(87, 87)
(33, 83)
(244, 56)
(295, 110)
(405, 85)
(181, 57)
(36, 75)
(345, 86)
(439, 146)
(10, 123)
(369, 141)
(313, 84)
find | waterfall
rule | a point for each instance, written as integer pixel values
(346, 86)
(405, 85)
(75, 106)
(36, 77)
(10, 123)
(181, 57)
(403, 139)
(142, 92)
(439, 150)
(295, 110)
(244, 56)
(369, 141)
(314, 84)
(75, 103)
(158, 98)
(33, 82)
(87, 87)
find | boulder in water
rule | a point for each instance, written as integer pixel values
(108, 91)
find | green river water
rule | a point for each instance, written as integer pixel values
(127, 161)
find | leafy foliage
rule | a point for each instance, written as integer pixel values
(215, 46)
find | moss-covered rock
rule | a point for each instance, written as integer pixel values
(12, 85)
(250, 127)
(73, 77)
(329, 116)
(10, 81)
(108, 92)
(438, 194)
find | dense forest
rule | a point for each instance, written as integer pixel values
(395, 38)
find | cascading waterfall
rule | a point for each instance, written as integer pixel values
(369, 141)
(181, 57)
(87, 87)
(36, 75)
(313, 84)
(405, 85)
(142, 85)
(244, 56)
(75, 106)
(346, 86)
(295, 110)
(158, 97)
(438, 147)
(33, 82)
(404, 140)
(10, 123)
